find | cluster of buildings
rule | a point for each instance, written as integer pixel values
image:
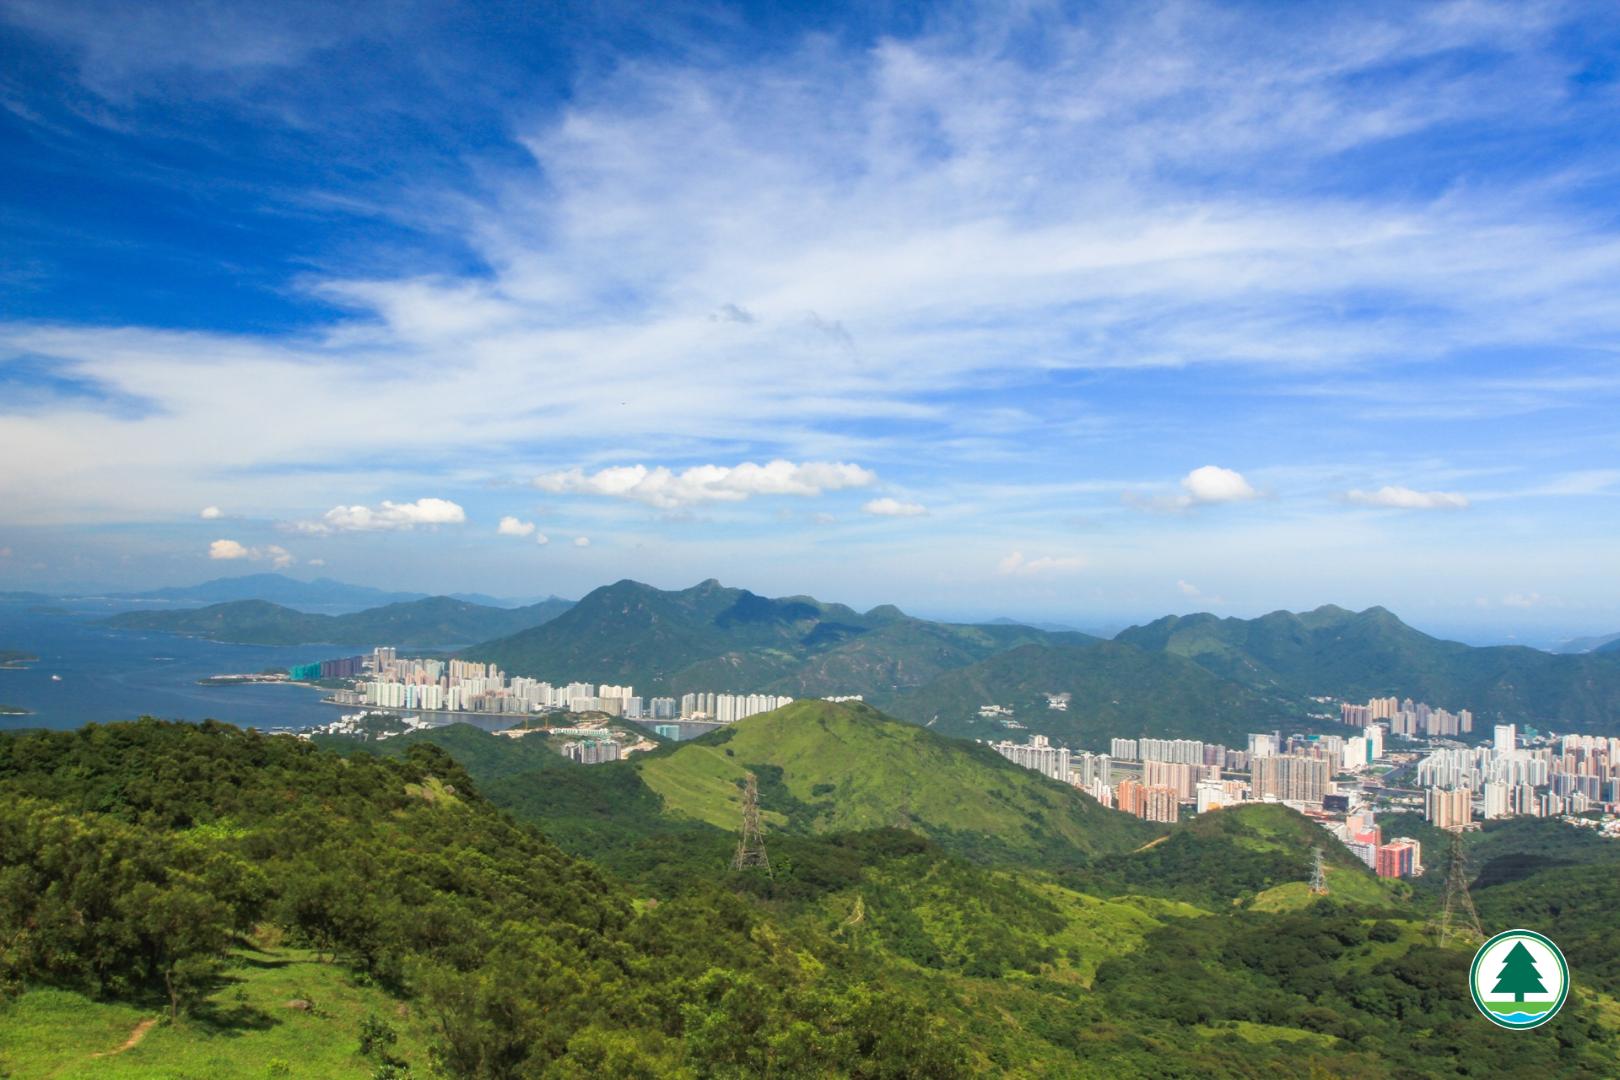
(1160, 779)
(385, 680)
(1406, 718)
(1400, 857)
(1567, 775)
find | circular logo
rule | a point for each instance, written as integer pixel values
(1519, 979)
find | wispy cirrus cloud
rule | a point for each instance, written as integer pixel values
(1395, 497)
(1015, 564)
(888, 506)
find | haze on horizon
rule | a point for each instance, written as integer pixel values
(1085, 312)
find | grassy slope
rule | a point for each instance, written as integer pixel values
(1252, 855)
(242, 1030)
(850, 767)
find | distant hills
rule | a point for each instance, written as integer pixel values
(1590, 644)
(290, 592)
(437, 621)
(1357, 655)
(1115, 689)
(277, 589)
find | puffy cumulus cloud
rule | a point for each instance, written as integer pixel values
(1213, 484)
(887, 507)
(542, 539)
(209, 513)
(669, 490)
(1016, 565)
(227, 550)
(1405, 498)
(582, 541)
(388, 515)
(511, 526)
(1204, 486)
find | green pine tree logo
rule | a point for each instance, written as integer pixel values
(1519, 976)
(1519, 979)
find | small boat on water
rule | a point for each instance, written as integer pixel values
(56, 678)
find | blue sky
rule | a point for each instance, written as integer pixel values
(1085, 312)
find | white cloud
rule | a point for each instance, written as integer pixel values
(276, 555)
(228, 549)
(1193, 592)
(1213, 484)
(1405, 498)
(582, 541)
(887, 507)
(209, 513)
(388, 515)
(1015, 564)
(317, 562)
(542, 539)
(668, 490)
(511, 526)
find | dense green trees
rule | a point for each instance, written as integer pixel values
(135, 858)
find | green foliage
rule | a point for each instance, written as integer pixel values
(133, 853)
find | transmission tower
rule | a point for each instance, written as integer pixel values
(1459, 906)
(1318, 873)
(751, 841)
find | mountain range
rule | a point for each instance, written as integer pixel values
(432, 622)
(1198, 676)
(1194, 676)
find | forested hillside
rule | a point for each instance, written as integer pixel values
(277, 908)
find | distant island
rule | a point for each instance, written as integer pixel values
(432, 622)
(15, 660)
(14, 710)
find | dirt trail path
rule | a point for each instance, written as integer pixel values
(134, 1038)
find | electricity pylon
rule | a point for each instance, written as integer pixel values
(751, 841)
(1459, 906)
(1318, 873)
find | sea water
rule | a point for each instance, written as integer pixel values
(106, 675)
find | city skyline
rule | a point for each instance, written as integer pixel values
(1088, 315)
